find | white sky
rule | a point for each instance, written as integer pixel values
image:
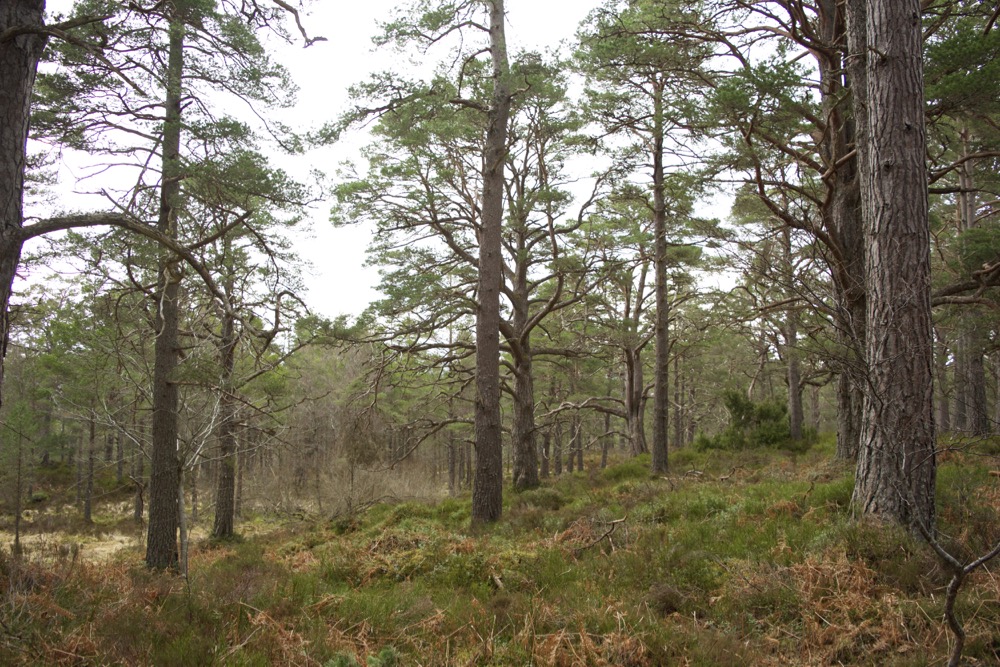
(337, 282)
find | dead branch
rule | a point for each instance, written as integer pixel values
(612, 526)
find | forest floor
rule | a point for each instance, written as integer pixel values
(746, 558)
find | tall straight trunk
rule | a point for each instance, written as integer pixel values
(470, 464)
(452, 467)
(546, 453)
(88, 500)
(18, 64)
(557, 437)
(523, 440)
(975, 413)
(678, 403)
(225, 492)
(960, 415)
(79, 470)
(487, 491)
(138, 471)
(661, 366)
(579, 448)
(120, 459)
(164, 476)
(844, 221)
(793, 371)
(896, 471)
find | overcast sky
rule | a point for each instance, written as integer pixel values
(337, 281)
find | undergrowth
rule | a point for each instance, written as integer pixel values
(734, 558)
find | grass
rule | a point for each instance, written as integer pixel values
(734, 558)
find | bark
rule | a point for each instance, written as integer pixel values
(847, 132)
(557, 449)
(635, 404)
(896, 471)
(225, 495)
(120, 459)
(18, 65)
(661, 378)
(487, 491)
(546, 453)
(523, 440)
(678, 403)
(793, 375)
(452, 468)
(816, 416)
(977, 414)
(164, 477)
(88, 500)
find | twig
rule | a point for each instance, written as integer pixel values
(612, 526)
(959, 572)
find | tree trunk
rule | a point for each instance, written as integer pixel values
(793, 374)
(88, 500)
(557, 448)
(816, 416)
(975, 416)
(120, 459)
(487, 491)
(546, 452)
(661, 377)
(896, 471)
(161, 540)
(678, 403)
(452, 467)
(634, 403)
(18, 65)
(225, 494)
(845, 222)
(523, 441)
(138, 472)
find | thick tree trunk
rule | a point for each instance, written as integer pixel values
(164, 476)
(18, 65)
(896, 471)
(661, 378)
(487, 491)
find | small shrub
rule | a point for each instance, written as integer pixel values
(637, 468)
(544, 497)
(342, 660)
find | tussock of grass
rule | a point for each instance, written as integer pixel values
(747, 558)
